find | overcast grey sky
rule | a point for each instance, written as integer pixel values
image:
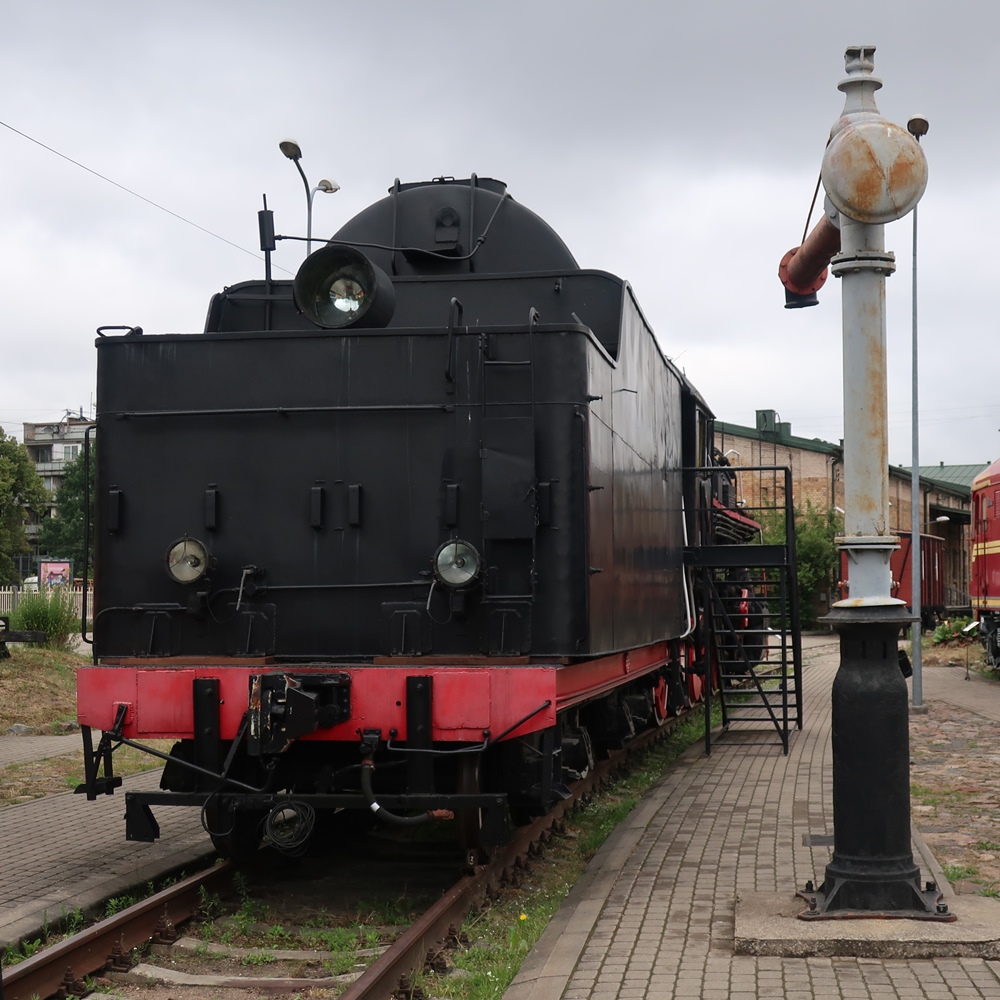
(676, 144)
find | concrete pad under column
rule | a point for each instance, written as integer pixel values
(767, 924)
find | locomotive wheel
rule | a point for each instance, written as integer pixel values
(470, 821)
(661, 699)
(695, 685)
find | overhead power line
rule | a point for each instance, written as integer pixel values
(128, 190)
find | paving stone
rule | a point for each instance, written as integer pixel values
(733, 823)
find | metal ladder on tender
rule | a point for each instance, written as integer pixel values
(750, 624)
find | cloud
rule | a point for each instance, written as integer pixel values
(677, 145)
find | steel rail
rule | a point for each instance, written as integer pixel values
(426, 936)
(57, 968)
(93, 949)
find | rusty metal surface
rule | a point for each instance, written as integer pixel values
(864, 264)
(804, 269)
(89, 951)
(874, 171)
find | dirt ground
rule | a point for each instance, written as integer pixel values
(955, 784)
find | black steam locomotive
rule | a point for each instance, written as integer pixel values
(405, 534)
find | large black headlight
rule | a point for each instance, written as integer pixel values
(339, 286)
(456, 563)
(187, 560)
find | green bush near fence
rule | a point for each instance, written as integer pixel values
(51, 613)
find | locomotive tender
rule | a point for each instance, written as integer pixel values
(405, 534)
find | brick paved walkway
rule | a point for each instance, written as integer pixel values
(18, 749)
(654, 915)
(63, 851)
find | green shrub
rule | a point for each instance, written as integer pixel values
(50, 613)
(952, 630)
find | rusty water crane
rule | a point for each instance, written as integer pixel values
(874, 172)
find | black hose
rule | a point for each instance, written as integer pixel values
(367, 768)
(289, 826)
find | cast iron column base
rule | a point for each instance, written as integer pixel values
(872, 873)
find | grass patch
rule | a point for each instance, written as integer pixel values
(505, 932)
(18, 952)
(70, 922)
(248, 922)
(35, 779)
(610, 816)
(504, 935)
(258, 958)
(958, 873)
(924, 796)
(38, 686)
(38, 689)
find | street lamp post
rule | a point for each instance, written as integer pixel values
(292, 150)
(917, 127)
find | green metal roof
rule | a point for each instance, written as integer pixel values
(779, 437)
(956, 479)
(957, 475)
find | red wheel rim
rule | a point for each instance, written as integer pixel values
(660, 692)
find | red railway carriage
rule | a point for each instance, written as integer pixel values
(985, 586)
(932, 589)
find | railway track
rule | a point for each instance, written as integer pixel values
(106, 944)
(105, 947)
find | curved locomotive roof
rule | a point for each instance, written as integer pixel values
(990, 476)
(448, 226)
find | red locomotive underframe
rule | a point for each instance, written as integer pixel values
(468, 697)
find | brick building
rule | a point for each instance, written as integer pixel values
(818, 479)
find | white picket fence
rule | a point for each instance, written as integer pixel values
(9, 596)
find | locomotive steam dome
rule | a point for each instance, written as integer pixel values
(449, 226)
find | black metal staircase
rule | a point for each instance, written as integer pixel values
(743, 567)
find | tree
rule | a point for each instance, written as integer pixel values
(816, 557)
(21, 490)
(62, 535)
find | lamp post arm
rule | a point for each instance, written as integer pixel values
(309, 205)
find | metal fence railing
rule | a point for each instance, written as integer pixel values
(9, 597)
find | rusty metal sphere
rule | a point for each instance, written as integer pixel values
(874, 171)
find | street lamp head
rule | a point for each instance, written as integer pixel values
(917, 126)
(291, 149)
(327, 187)
(943, 519)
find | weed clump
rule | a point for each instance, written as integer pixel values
(953, 631)
(51, 613)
